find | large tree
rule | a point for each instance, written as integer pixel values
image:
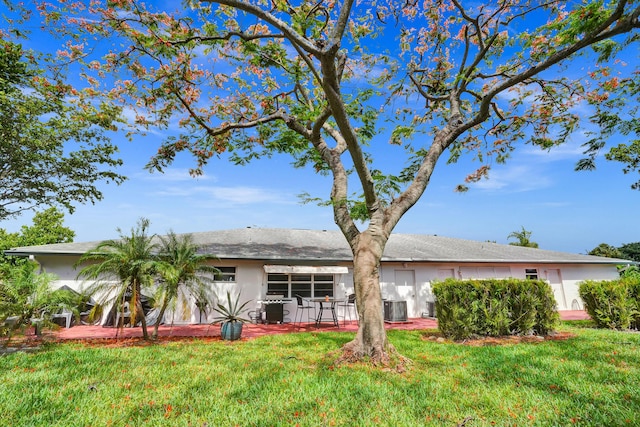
(326, 81)
(53, 152)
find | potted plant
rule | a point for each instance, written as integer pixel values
(230, 317)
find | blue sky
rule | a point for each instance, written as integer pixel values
(565, 210)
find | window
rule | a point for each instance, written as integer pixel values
(531, 273)
(305, 285)
(225, 274)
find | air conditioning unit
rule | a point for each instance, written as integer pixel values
(395, 311)
(431, 308)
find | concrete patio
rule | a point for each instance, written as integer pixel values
(250, 330)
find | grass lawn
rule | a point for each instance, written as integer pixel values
(591, 379)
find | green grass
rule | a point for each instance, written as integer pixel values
(592, 379)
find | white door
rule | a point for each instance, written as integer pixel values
(553, 275)
(406, 289)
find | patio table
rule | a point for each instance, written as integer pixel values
(327, 304)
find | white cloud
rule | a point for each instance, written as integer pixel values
(247, 195)
(229, 196)
(514, 179)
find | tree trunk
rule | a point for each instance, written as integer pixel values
(165, 303)
(143, 321)
(137, 294)
(371, 339)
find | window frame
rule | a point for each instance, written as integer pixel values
(227, 274)
(531, 274)
(316, 285)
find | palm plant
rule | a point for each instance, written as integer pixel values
(523, 238)
(123, 267)
(26, 295)
(183, 274)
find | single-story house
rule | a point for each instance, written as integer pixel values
(315, 263)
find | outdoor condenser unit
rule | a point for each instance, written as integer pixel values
(431, 308)
(395, 311)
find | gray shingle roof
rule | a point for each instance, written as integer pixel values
(279, 244)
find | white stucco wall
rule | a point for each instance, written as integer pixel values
(425, 274)
(251, 281)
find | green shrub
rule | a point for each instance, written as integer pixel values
(492, 310)
(523, 314)
(456, 316)
(634, 294)
(495, 307)
(546, 312)
(610, 303)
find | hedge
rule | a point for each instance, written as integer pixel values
(612, 304)
(634, 294)
(495, 307)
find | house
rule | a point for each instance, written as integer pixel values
(316, 263)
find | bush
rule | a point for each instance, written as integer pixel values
(547, 316)
(455, 308)
(495, 307)
(523, 298)
(612, 304)
(634, 294)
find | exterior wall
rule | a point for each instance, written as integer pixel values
(570, 276)
(60, 265)
(251, 282)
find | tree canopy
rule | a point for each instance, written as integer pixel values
(606, 250)
(630, 251)
(523, 238)
(52, 152)
(330, 82)
(48, 228)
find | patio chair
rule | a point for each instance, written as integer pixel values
(64, 315)
(349, 306)
(304, 305)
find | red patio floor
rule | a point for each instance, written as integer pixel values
(250, 330)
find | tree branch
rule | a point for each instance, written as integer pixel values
(226, 36)
(456, 126)
(340, 26)
(332, 89)
(600, 34)
(287, 31)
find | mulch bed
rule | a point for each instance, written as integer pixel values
(28, 342)
(137, 341)
(32, 342)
